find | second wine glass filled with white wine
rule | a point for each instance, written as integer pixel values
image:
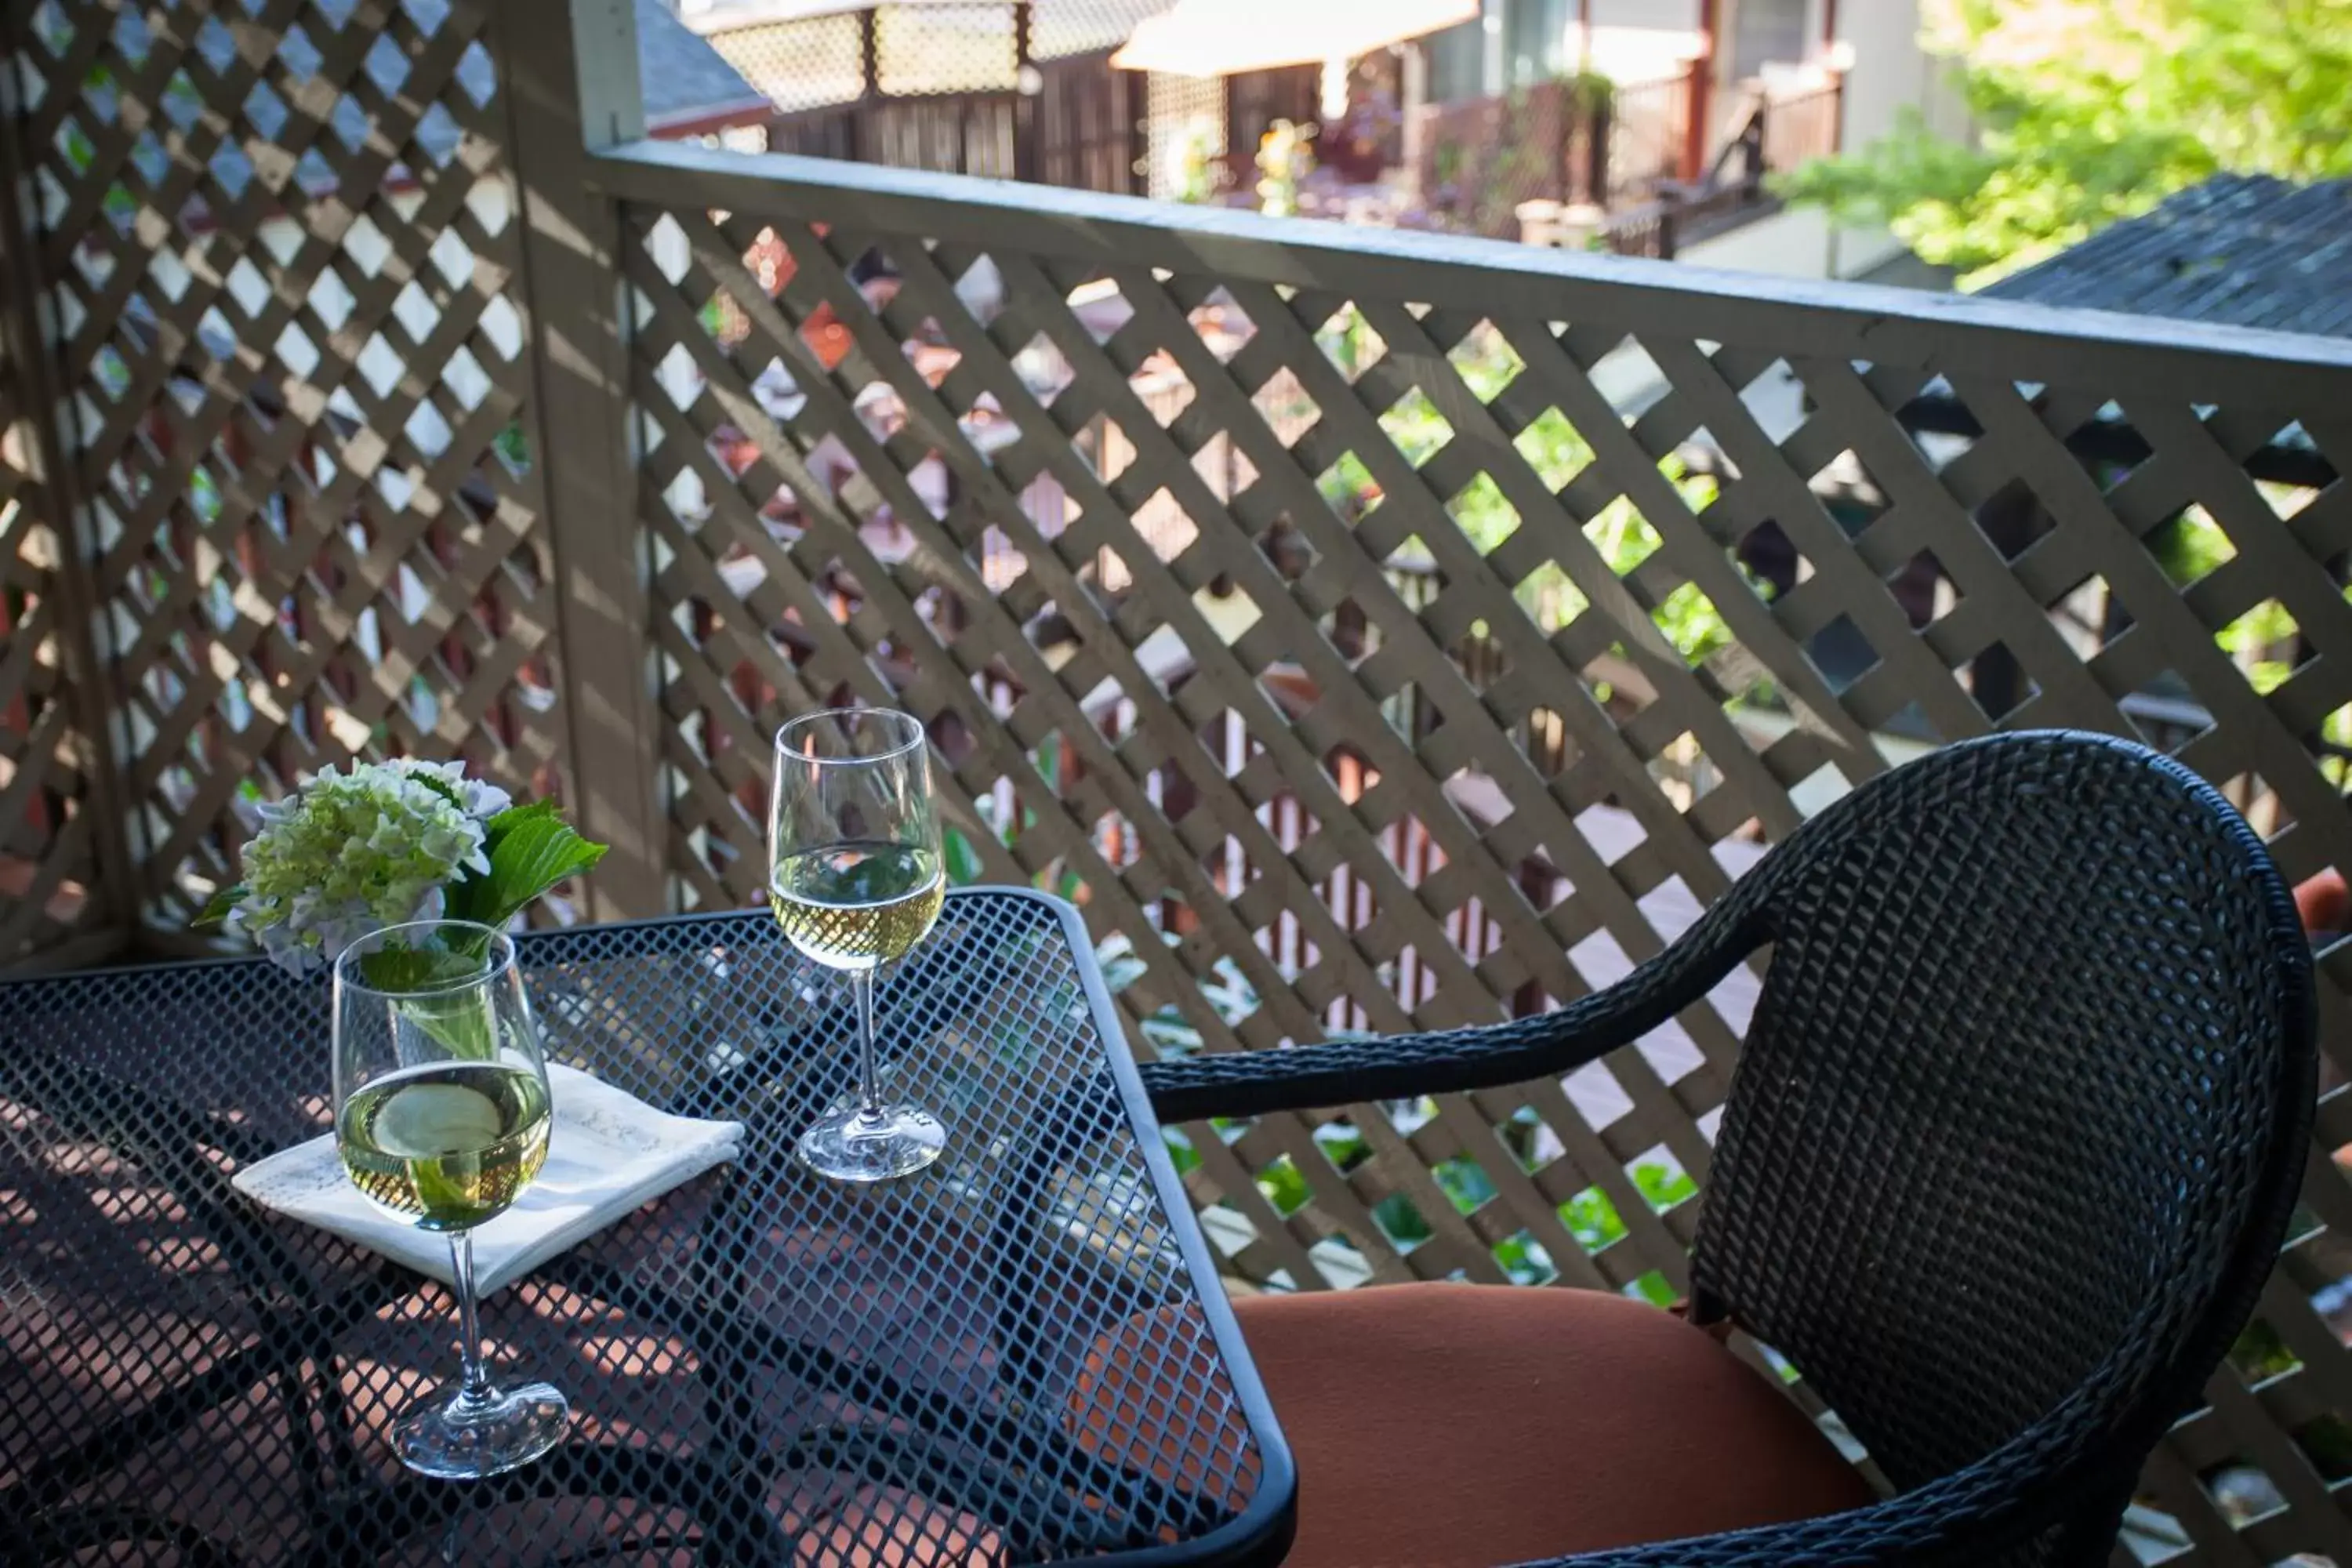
(856, 878)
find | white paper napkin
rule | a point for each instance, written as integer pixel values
(608, 1153)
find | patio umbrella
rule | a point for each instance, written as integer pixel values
(1224, 37)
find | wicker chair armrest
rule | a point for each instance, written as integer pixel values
(1401, 1066)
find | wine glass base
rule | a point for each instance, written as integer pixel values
(456, 1441)
(848, 1146)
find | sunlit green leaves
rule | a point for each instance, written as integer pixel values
(2095, 109)
(1592, 1219)
(531, 849)
(1663, 1184)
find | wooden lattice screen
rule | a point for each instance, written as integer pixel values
(1354, 631)
(1371, 632)
(53, 904)
(277, 256)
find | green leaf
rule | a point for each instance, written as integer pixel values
(217, 907)
(461, 1019)
(1400, 1221)
(440, 1193)
(1653, 1288)
(1592, 1219)
(532, 848)
(515, 817)
(509, 840)
(1663, 1186)
(1283, 1186)
(963, 862)
(406, 969)
(1342, 1145)
(1462, 1179)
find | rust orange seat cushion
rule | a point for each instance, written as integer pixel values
(1464, 1427)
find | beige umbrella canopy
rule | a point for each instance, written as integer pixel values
(1222, 37)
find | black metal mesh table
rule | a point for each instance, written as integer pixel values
(1020, 1355)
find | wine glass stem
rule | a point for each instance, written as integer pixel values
(869, 1092)
(475, 1388)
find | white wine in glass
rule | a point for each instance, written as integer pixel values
(854, 906)
(856, 878)
(442, 1116)
(448, 1145)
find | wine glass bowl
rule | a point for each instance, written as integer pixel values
(442, 1118)
(856, 878)
(447, 1147)
(857, 905)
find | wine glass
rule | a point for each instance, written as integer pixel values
(855, 878)
(442, 1116)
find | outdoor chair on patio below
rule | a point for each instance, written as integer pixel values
(2009, 1152)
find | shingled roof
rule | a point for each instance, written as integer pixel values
(2246, 250)
(688, 85)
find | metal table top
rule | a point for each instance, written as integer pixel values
(1020, 1355)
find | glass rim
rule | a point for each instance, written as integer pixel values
(500, 951)
(858, 711)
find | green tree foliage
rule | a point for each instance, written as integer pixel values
(2091, 110)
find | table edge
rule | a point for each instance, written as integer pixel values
(1261, 1532)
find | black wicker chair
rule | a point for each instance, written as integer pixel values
(2012, 1146)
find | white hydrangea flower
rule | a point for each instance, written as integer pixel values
(350, 853)
(479, 800)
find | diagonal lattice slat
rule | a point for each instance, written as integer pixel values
(1369, 648)
(1366, 637)
(282, 242)
(49, 849)
(60, 891)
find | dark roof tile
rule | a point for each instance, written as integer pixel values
(2247, 250)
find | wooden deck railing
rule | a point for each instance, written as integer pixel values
(1649, 125)
(1369, 629)
(1777, 135)
(1802, 126)
(1480, 157)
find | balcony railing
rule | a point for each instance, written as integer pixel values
(1368, 629)
(1776, 136)
(1625, 153)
